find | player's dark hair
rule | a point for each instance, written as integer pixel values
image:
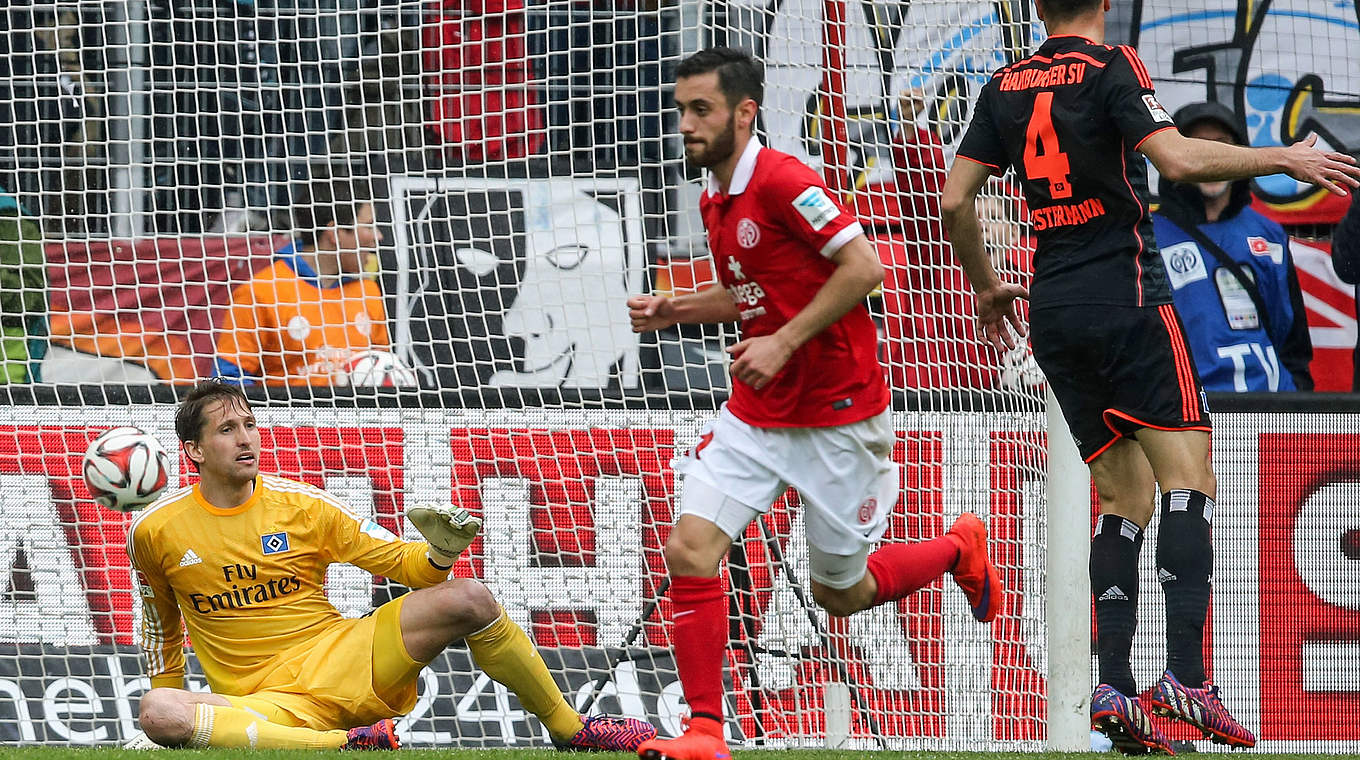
(190, 415)
(328, 200)
(1063, 10)
(739, 75)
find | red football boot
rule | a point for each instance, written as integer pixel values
(702, 740)
(974, 571)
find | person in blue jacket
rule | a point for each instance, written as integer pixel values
(1235, 347)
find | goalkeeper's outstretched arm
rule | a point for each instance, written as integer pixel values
(448, 530)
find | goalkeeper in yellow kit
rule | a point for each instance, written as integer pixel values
(240, 558)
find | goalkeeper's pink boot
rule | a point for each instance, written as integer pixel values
(602, 733)
(702, 740)
(380, 735)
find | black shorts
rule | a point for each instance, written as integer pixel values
(1115, 369)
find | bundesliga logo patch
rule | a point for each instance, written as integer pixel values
(274, 543)
(815, 207)
(1156, 111)
(867, 510)
(370, 528)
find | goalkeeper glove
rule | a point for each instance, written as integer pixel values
(447, 528)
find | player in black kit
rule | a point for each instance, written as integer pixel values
(1072, 120)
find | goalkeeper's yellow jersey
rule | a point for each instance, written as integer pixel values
(247, 582)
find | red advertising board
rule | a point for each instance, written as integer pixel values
(1310, 585)
(586, 500)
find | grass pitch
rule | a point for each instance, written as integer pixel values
(84, 753)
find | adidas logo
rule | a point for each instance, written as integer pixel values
(1113, 594)
(189, 558)
(1164, 575)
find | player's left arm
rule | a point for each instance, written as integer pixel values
(995, 299)
(1188, 159)
(858, 271)
(366, 544)
(1128, 95)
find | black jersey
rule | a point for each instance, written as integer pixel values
(1069, 119)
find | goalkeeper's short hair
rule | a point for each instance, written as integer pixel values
(1064, 10)
(192, 411)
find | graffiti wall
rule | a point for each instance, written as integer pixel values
(1288, 69)
(512, 283)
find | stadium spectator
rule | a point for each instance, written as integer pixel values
(23, 294)
(930, 342)
(299, 321)
(918, 172)
(794, 268)
(240, 559)
(1231, 274)
(1346, 261)
(1071, 120)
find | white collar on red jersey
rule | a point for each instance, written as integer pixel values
(741, 176)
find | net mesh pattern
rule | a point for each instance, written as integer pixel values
(162, 167)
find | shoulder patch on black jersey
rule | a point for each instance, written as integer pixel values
(1155, 109)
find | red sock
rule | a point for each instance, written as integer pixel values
(902, 568)
(700, 618)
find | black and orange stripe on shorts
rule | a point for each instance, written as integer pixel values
(1118, 369)
(1187, 377)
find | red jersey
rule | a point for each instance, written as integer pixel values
(772, 236)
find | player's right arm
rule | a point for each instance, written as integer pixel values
(996, 305)
(1187, 159)
(980, 155)
(348, 537)
(162, 635)
(659, 312)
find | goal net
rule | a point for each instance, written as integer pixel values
(158, 162)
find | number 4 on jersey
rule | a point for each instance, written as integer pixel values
(1050, 164)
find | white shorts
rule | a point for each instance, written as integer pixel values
(844, 473)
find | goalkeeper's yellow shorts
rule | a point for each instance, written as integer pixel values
(355, 674)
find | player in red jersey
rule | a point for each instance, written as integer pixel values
(809, 405)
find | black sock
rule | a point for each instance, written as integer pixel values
(1114, 585)
(1185, 560)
